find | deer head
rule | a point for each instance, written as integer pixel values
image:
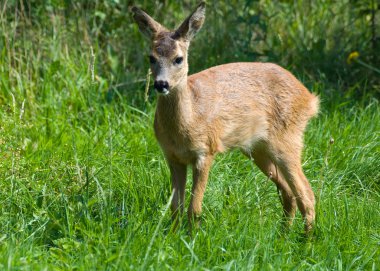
(169, 49)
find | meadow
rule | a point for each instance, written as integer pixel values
(83, 182)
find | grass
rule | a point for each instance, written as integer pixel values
(84, 185)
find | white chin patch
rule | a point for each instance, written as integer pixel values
(164, 92)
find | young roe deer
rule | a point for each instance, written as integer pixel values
(259, 108)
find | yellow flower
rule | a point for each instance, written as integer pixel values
(352, 57)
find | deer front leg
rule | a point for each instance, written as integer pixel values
(178, 179)
(201, 169)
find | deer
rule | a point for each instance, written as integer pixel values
(259, 108)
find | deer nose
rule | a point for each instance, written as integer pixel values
(161, 86)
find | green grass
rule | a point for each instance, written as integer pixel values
(84, 185)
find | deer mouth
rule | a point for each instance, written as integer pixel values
(163, 91)
(162, 87)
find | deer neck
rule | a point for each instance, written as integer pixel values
(175, 110)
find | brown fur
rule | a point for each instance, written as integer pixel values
(259, 108)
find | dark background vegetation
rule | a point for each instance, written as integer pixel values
(311, 38)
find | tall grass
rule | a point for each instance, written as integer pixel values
(84, 185)
(313, 38)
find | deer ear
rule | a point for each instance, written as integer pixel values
(147, 25)
(192, 24)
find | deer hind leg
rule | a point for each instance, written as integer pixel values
(178, 179)
(264, 162)
(201, 170)
(290, 167)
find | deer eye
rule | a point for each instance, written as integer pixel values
(178, 60)
(152, 59)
